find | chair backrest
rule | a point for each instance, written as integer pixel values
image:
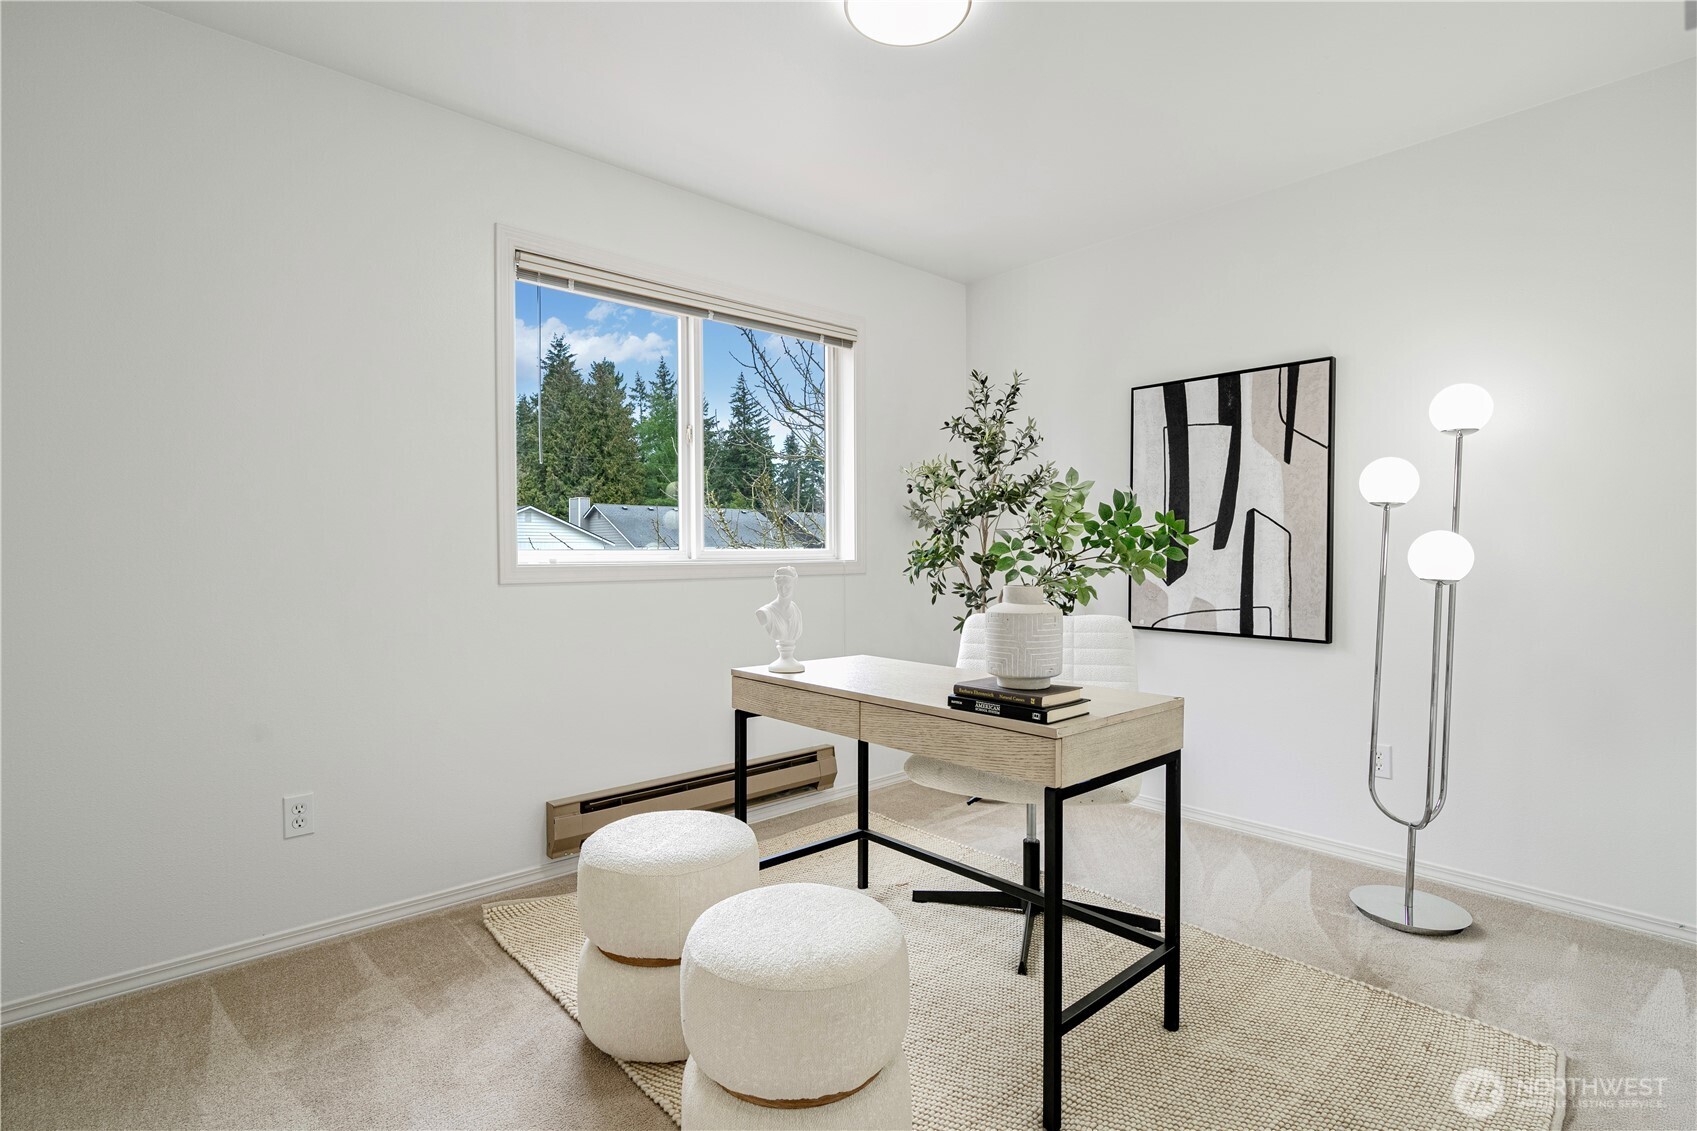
(1095, 648)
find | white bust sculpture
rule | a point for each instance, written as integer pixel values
(781, 618)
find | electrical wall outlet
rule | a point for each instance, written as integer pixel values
(1382, 762)
(297, 815)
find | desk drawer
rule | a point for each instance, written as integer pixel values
(800, 705)
(1026, 757)
(1084, 756)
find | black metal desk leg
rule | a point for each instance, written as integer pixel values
(739, 775)
(1171, 929)
(863, 811)
(1053, 918)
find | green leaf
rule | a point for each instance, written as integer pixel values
(1119, 499)
(1174, 554)
(1104, 511)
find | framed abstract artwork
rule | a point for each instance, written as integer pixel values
(1245, 459)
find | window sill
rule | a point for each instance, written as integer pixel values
(673, 570)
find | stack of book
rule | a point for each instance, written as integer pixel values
(1054, 703)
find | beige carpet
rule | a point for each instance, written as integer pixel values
(1266, 1042)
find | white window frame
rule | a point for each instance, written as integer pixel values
(692, 558)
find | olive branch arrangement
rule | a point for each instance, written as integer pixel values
(1000, 515)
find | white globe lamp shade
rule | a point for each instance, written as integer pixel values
(1439, 555)
(1389, 482)
(1461, 408)
(906, 23)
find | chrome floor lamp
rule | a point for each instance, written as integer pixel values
(1443, 558)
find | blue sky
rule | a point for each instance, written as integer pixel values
(634, 339)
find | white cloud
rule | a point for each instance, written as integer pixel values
(588, 345)
(600, 311)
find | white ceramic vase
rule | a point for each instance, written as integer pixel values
(1023, 636)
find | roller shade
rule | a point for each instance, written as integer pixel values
(598, 283)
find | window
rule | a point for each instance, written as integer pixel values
(657, 428)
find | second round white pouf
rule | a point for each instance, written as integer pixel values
(642, 880)
(886, 1104)
(795, 992)
(630, 1012)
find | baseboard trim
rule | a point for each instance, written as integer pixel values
(147, 977)
(1455, 877)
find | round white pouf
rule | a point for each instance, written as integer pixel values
(795, 992)
(642, 881)
(630, 1012)
(886, 1104)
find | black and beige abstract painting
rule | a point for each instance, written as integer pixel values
(1246, 460)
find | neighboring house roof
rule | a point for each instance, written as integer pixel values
(539, 530)
(811, 524)
(632, 526)
(733, 528)
(619, 526)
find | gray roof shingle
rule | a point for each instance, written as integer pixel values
(620, 526)
(539, 530)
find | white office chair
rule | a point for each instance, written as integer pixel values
(1096, 650)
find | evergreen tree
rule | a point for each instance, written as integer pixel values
(561, 469)
(720, 489)
(810, 479)
(657, 436)
(786, 476)
(799, 475)
(529, 463)
(576, 437)
(611, 461)
(748, 450)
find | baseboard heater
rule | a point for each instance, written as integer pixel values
(571, 819)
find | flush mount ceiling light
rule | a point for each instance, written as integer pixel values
(906, 23)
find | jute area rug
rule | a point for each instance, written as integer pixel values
(1264, 1042)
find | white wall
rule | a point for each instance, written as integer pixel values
(250, 496)
(249, 460)
(1549, 257)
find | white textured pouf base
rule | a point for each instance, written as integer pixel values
(643, 880)
(795, 990)
(630, 1012)
(886, 1104)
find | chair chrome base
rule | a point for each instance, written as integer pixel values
(1432, 914)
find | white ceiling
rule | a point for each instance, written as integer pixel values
(1034, 129)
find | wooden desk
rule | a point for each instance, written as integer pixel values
(904, 706)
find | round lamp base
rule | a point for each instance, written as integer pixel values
(1433, 915)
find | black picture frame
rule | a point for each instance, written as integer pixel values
(1150, 504)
